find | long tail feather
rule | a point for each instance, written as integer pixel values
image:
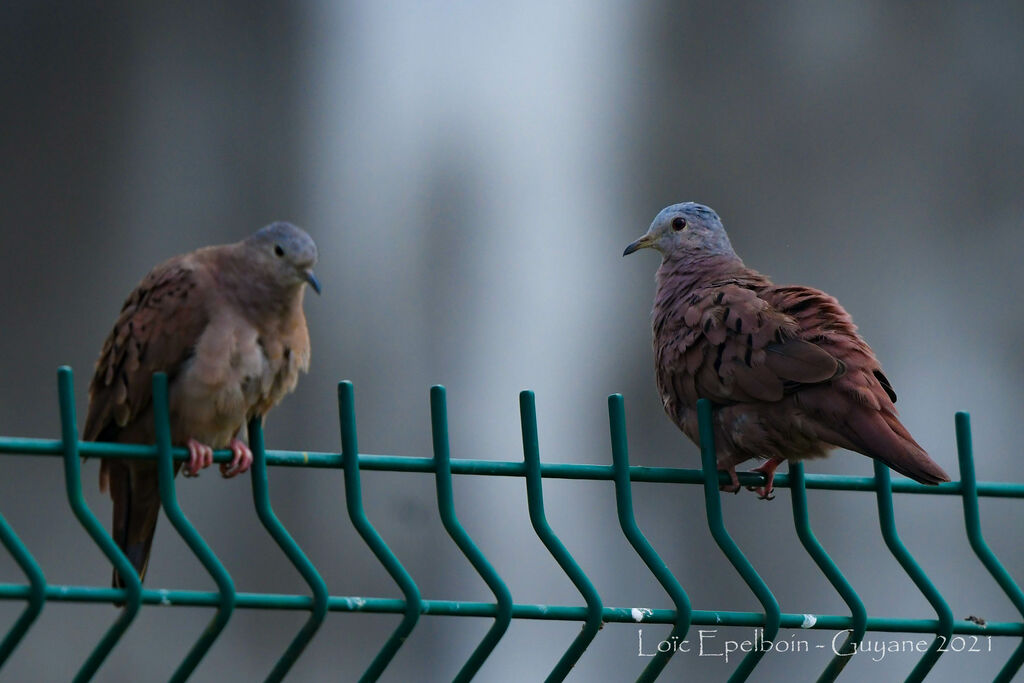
(883, 437)
(133, 488)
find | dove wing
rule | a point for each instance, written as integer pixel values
(736, 347)
(156, 331)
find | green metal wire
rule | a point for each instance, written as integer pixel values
(37, 592)
(446, 509)
(565, 560)
(887, 521)
(73, 486)
(627, 521)
(972, 520)
(456, 608)
(354, 503)
(261, 499)
(858, 613)
(510, 468)
(188, 533)
(716, 523)
(37, 589)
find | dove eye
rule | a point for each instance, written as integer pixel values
(678, 223)
(278, 250)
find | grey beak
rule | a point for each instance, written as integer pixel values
(311, 279)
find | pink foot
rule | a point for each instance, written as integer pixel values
(241, 461)
(200, 456)
(768, 469)
(734, 486)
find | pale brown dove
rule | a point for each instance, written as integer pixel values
(788, 376)
(226, 325)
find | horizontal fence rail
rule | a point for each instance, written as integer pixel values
(592, 614)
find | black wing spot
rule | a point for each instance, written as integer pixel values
(800, 305)
(790, 387)
(884, 381)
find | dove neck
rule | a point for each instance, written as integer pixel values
(260, 299)
(681, 274)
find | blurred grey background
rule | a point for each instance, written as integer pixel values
(471, 173)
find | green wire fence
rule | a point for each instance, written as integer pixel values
(593, 614)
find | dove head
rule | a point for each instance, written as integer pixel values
(684, 231)
(288, 253)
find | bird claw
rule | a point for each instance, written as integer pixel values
(734, 485)
(766, 492)
(763, 492)
(241, 461)
(200, 456)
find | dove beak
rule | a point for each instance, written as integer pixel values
(311, 279)
(642, 243)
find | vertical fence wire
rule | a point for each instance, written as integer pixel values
(35, 596)
(716, 523)
(189, 534)
(354, 503)
(565, 560)
(450, 521)
(887, 522)
(73, 487)
(972, 520)
(284, 540)
(858, 613)
(627, 521)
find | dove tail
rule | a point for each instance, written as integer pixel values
(883, 437)
(133, 489)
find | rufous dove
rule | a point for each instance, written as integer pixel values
(226, 324)
(787, 374)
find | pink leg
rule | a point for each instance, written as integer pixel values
(199, 456)
(241, 461)
(734, 487)
(767, 469)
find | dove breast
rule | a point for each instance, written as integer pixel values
(226, 376)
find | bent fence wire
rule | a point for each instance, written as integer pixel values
(592, 614)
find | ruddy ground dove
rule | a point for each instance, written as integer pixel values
(226, 325)
(787, 373)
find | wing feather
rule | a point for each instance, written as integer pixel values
(157, 329)
(739, 347)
